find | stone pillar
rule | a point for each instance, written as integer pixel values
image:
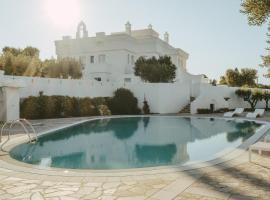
(9, 103)
(9, 98)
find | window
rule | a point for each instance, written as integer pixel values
(102, 58)
(128, 80)
(98, 78)
(92, 59)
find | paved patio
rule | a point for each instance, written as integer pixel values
(234, 179)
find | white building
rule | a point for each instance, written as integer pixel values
(112, 57)
(109, 64)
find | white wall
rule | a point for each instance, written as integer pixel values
(161, 97)
(215, 95)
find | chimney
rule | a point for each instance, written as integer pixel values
(150, 26)
(166, 37)
(128, 28)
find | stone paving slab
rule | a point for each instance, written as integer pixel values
(237, 179)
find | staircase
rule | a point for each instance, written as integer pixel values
(186, 109)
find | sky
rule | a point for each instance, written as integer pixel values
(214, 32)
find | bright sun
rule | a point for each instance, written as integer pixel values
(63, 13)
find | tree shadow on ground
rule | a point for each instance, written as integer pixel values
(233, 172)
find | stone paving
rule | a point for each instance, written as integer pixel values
(243, 180)
(246, 181)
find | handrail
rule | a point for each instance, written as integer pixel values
(19, 121)
(2, 129)
(31, 126)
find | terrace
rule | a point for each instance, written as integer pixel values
(231, 178)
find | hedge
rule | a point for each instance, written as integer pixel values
(45, 107)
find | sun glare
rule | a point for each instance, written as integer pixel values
(62, 13)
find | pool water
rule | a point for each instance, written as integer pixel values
(135, 142)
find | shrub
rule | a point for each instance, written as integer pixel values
(59, 106)
(103, 110)
(50, 107)
(29, 108)
(123, 103)
(76, 106)
(146, 109)
(203, 111)
(222, 110)
(68, 108)
(42, 107)
(86, 107)
(99, 101)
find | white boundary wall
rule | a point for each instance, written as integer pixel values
(215, 95)
(161, 97)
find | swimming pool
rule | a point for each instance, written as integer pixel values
(136, 142)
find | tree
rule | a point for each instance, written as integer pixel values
(213, 82)
(26, 62)
(258, 12)
(20, 62)
(12, 50)
(7, 66)
(266, 98)
(62, 68)
(236, 78)
(251, 96)
(146, 109)
(123, 103)
(30, 51)
(154, 70)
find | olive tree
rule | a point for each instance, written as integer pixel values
(258, 13)
(266, 98)
(251, 96)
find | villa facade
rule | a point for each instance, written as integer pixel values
(108, 64)
(111, 58)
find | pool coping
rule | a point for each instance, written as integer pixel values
(9, 163)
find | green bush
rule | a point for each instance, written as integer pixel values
(146, 109)
(29, 108)
(103, 110)
(68, 108)
(203, 111)
(45, 107)
(123, 103)
(86, 107)
(97, 101)
(222, 110)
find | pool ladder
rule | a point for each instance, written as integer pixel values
(24, 123)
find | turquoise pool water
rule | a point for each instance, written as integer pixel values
(135, 142)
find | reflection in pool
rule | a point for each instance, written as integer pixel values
(135, 142)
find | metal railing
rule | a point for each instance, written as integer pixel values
(23, 123)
